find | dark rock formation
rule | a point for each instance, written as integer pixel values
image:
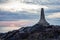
(33, 33)
(42, 20)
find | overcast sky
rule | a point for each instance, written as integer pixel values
(27, 12)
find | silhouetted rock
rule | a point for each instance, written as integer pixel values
(33, 33)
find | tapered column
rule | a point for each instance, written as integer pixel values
(42, 14)
(42, 20)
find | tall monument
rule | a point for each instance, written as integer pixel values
(42, 20)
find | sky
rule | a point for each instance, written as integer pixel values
(17, 13)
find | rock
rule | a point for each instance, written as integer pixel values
(33, 33)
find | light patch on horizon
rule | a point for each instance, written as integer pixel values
(17, 6)
(21, 23)
(54, 15)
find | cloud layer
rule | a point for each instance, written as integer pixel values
(54, 15)
(17, 6)
(14, 10)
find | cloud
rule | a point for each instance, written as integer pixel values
(40, 2)
(14, 10)
(52, 10)
(54, 15)
(3, 1)
(53, 6)
(9, 16)
(17, 6)
(43, 2)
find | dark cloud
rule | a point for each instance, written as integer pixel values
(9, 16)
(43, 2)
(51, 2)
(3, 1)
(52, 10)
